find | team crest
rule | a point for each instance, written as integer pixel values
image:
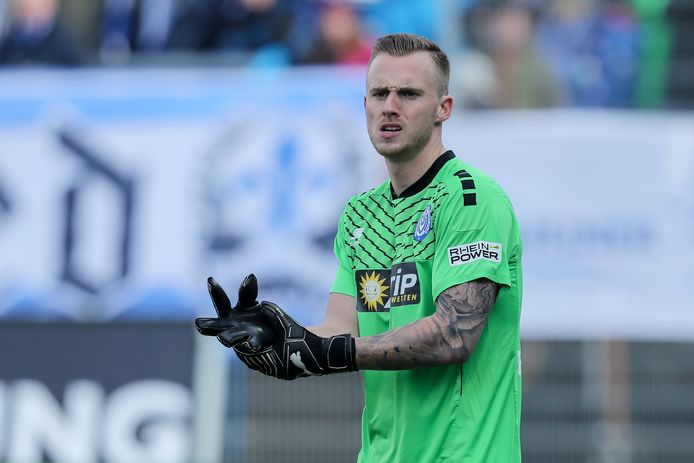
(423, 225)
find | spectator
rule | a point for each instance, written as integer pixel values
(521, 77)
(134, 26)
(36, 36)
(524, 79)
(233, 25)
(655, 53)
(593, 46)
(392, 16)
(680, 84)
(339, 38)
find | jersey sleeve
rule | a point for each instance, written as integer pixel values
(344, 282)
(472, 241)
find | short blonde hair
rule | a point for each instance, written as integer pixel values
(406, 44)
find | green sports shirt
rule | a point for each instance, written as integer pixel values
(395, 256)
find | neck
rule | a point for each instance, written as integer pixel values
(404, 172)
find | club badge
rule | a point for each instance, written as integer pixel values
(423, 225)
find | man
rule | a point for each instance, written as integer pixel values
(426, 300)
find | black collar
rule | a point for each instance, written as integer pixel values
(425, 179)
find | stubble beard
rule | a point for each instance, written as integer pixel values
(404, 152)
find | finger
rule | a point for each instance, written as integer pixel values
(211, 326)
(221, 302)
(232, 337)
(248, 292)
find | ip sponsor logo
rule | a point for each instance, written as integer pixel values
(381, 289)
(404, 284)
(466, 253)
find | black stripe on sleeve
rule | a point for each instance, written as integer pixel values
(469, 199)
(467, 184)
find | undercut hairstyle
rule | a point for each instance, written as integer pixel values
(406, 44)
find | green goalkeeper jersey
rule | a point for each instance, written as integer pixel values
(396, 255)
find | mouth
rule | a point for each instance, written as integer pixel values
(389, 130)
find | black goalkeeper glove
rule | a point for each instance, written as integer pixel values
(241, 327)
(266, 339)
(296, 352)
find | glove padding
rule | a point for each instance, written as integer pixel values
(296, 352)
(242, 327)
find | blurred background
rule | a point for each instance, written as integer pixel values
(147, 144)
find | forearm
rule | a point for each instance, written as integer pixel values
(340, 317)
(411, 346)
(448, 336)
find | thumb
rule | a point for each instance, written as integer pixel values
(211, 326)
(232, 337)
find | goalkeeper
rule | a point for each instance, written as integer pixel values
(426, 300)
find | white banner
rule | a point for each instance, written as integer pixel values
(120, 192)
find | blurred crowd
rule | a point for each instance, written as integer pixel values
(506, 54)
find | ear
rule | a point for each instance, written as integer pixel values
(445, 108)
(365, 101)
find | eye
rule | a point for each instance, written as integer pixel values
(410, 94)
(380, 94)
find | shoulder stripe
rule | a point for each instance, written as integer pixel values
(467, 183)
(462, 174)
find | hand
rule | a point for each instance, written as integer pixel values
(241, 327)
(266, 339)
(297, 352)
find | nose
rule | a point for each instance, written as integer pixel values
(390, 106)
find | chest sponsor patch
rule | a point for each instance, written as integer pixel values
(380, 289)
(470, 252)
(404, 285)
(373, 288)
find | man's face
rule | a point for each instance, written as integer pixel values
(402, 104)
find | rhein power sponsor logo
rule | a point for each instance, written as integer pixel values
(470, 252)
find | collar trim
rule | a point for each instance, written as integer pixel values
(425, 179)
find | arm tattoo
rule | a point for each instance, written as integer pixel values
(462, 311)
(448, 336)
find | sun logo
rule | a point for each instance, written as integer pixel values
(373, 290)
